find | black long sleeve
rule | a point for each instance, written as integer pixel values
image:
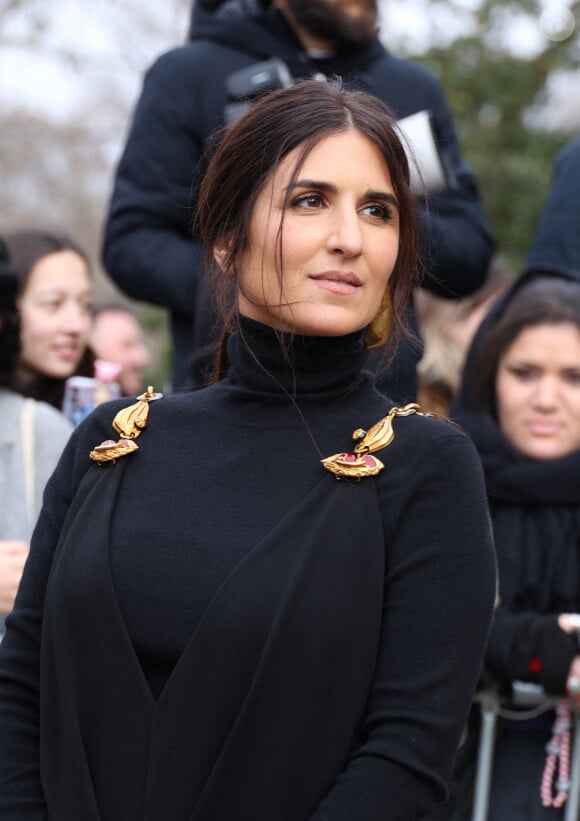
(439, 585)
(215, 471)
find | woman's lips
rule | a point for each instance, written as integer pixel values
(67, 354)
(540, 427)
(338, 282)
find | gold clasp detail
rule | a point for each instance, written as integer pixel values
(129, 424)
(360, 463)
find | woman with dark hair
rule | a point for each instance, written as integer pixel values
(520, 403)
(211, 626)
(32, 437)
(54, 301)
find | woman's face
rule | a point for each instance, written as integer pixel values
(55, 316)
(340, 239)
(538, 391)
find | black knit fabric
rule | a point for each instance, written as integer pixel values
(229, 631)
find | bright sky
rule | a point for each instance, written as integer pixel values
(97, 36)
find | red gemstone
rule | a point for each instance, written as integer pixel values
(535, 664)
(370, 460)
(349, 457)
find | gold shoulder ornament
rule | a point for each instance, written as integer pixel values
(361, 463)
(128, 423)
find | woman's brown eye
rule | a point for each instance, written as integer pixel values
(379, 211)
(308, 201)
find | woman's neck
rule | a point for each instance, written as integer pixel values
(25, 378)
(268, 361)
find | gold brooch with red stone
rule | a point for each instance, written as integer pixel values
(361, 462)
(129, 424)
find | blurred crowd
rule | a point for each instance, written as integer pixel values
(497, 351)
(52, 338)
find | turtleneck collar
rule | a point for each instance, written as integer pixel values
(265, 361)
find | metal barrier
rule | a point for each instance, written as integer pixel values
(494, 705)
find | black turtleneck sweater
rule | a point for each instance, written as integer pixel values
(386, 591)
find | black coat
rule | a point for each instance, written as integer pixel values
(148, 248)
(556, 245)
(215, 628)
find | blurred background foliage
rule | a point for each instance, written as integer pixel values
(513, 113)
(70, 74)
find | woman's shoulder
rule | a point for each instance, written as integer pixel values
(160, 414)
(10, 399)
(426, 445)
(52, 431)
(431, 467)
(10, 407)
(50, 421)
(427, 430)
(183, 408)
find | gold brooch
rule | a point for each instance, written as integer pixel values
(359, 464)
(129, 423)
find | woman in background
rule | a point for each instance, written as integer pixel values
(32, 437)
(54, 301)
(211, 626)
(520, 403)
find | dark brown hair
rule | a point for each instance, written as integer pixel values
(9, 319)
(541, 299)
(249, 154)
(26, 248)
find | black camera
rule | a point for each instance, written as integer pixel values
(244, 85)
(429, 167)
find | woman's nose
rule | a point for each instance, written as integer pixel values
(76, 319)
(345, 235)
(546, 393)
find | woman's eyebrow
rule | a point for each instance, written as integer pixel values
(320, 186)
(383, 196)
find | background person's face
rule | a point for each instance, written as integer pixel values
(342, 22)
(117, 337)
(538, 391)
(340, 240)
(55, 316)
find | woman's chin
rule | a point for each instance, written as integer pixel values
(321, 326)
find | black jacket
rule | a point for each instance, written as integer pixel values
(556, 245)
(148, 247)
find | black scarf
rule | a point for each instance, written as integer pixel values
(535, 505)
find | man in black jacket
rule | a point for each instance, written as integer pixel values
(148, 246)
